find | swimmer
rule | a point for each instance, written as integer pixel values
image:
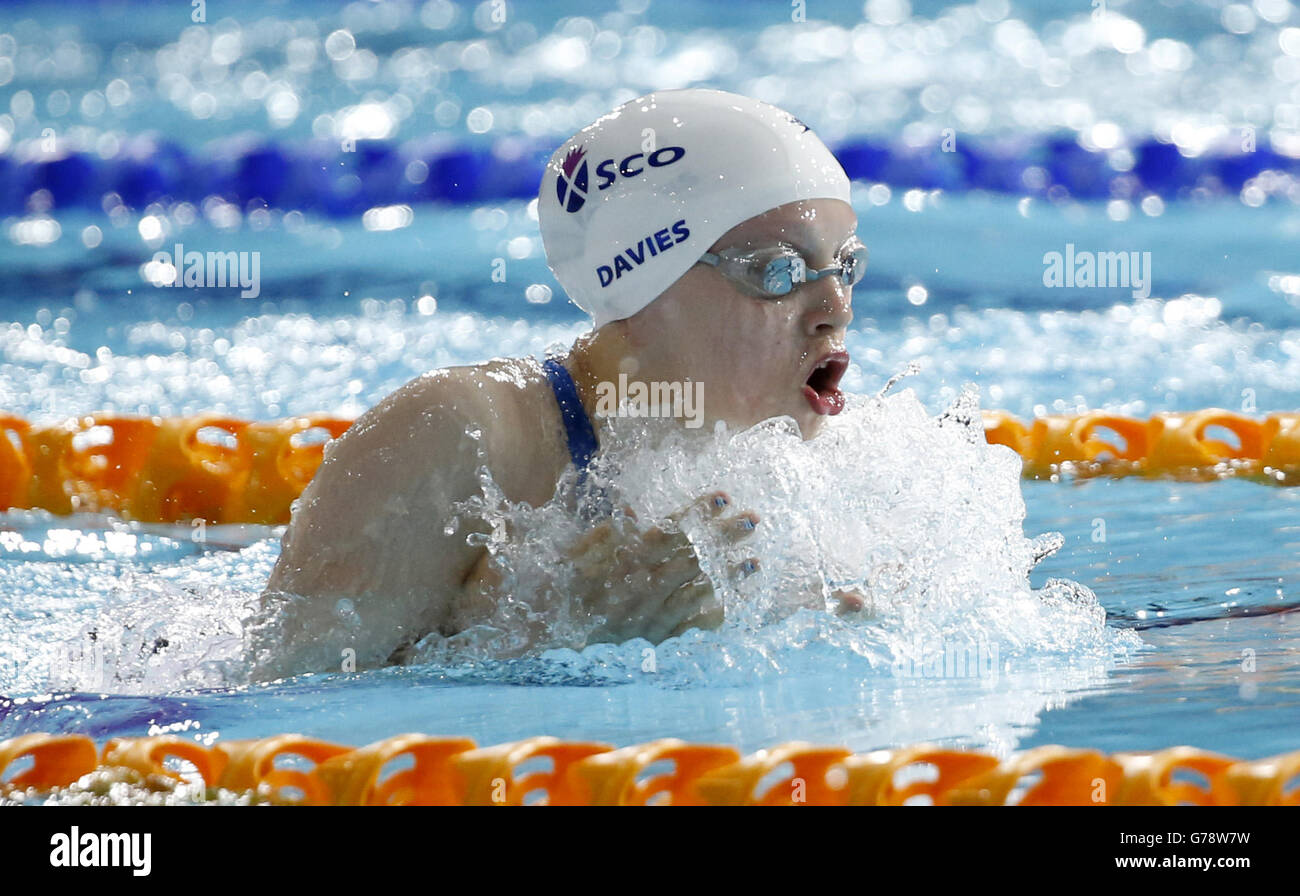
(711, 239)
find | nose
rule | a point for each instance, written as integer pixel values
(829, 305)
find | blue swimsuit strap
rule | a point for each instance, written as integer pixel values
(577, 425)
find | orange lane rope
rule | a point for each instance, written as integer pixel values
(415, 769)
(226, 470)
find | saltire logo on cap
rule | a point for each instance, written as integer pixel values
(571, 185)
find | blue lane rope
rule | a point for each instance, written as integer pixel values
(329, 179)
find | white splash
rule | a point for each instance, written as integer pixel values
(920, 515)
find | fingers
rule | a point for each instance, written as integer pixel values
(711, 506)
(734, 527)
(693, 600)
(714, 506)
(670, 537)
(606, 549)
(671, 555)
(680, 567)
(685, 567)
(705, 507)
(651, 580)
(850, 601)
(709, 613)
(594, 554)
(593, 538)
(598, 535)
(740, 526)
(668, 541)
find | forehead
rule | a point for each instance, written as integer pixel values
(808, 224)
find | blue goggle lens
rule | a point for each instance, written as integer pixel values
(784, 272)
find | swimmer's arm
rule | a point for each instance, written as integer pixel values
(370, 524)
(476, 602)
(478, 593)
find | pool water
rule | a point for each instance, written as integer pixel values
(1198, 581)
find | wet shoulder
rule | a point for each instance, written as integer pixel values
(491, 394)
(509, 406)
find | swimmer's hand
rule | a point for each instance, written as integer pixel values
(649, 584)
(851, 600)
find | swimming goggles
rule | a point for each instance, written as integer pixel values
(776, 271)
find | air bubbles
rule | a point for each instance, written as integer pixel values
(1153, 206)
(1122, 33)
(879, 194)
(282, 107)
(226, 47)
(151, 229)
(118, 92)
(367, 121)
(935, 98)
(1171, 55)
(1121, 159)
(58, 103)
(389, 217)
(993, 11)
(1034, 177)
(563, 54)
(1274, 11)
(1289, 40)
(438, 14)
(1237, 18)
(479, 120)
(22, 104)
(1105, 135)
(340, 45)
(887, 12)
(38, 230)
(417, 171)
(489, 218)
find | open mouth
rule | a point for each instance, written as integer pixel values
(821, 388)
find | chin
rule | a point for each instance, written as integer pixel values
(810, 424)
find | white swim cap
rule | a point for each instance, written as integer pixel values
(629, 203)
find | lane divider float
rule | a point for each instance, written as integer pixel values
(417, 769)
(223, 469)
